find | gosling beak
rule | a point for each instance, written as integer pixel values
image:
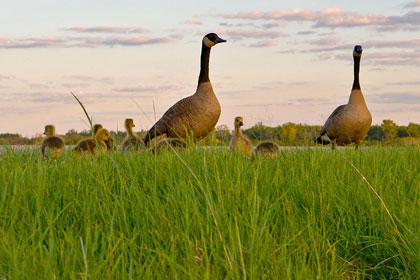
(44, 133)
(220, 40)
(241, 123)
(134, 125)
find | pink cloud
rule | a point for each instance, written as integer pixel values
(193, 21)
(251, 33)
(148, 88)
(274, 24)
(107, 29)
(81, 42)
(264, 44)
(331, 17)
(414, 4)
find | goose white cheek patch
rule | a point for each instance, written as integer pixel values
(208, 43)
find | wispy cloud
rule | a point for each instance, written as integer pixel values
(251, 33)
(264, 44)
(332, 18)
(80, 42)
(107, 29)
(414, 4)
(396, 98)
(2, 77)
(148, 88)
(193, 21)
(83, 78)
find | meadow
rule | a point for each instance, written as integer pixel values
(210, 214)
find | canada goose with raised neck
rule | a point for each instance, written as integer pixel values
(109, 143)
(132, 141)
(239, 142)
(51, 144)
(90, 145)
(350, 122)
(267, 148)
(197, 114)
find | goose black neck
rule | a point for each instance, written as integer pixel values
(204, 66)
(356, 84)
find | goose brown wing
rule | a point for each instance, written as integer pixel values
(178, 112)
(332, 118)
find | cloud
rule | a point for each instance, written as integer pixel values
(274, 24)
(251, 33)
(80, 42)
(83, 78)
(264, 44)
(332, 18)
(148, 88)
(329, 41)
(194, 21)
(395, 98)
(414, 4)
(107, 29)
(2, 77)
(306, 32)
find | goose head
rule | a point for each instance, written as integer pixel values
(129, 124)
(239, 121)
(102, 135)
(357, 51)
(212, 39)
(96, 127)
(49, 130)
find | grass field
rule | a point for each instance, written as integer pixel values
(210, 214)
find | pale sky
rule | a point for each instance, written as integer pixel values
(283, 62)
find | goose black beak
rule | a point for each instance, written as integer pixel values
(220, 40)
(241, 123)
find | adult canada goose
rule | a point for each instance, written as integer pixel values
(267, 148)
(166, 143)
(197, 114)
(350, 122)
(239, 142)
(132, 141)
(52, 144)
(109, 143)
(91, 145)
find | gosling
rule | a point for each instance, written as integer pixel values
(267, 148)
(239, 142)
(132, 141)
(52, 145)
(92, 145)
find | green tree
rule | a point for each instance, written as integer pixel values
(390, 129)
(289, 131)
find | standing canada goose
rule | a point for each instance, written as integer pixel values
(109, 143)
(132, 141)
(239, 142)
(91, 145)
(267, 148)
(197, 114)
(350, 122)
(52, 144)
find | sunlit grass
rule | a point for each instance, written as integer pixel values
(211, 214)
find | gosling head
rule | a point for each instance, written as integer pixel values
(212, 39)
(96, 127)
(357, 51)
(49, 130)
(239, 121)
(102, 134)
(129, 124)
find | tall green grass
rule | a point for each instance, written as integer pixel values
(210, 214)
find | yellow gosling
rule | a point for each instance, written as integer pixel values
(239, 142)
(51, 145)
(132, 141)
(91, 145)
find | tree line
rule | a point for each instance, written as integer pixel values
(287, 134)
